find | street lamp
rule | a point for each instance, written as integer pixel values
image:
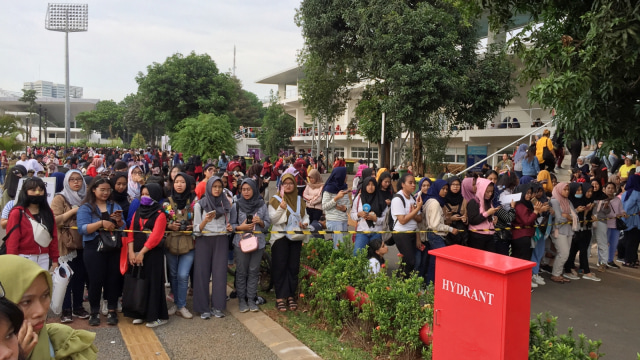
(67, 18)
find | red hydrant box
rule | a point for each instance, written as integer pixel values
(482, 305)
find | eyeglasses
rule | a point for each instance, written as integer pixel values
(104, 191)
(75, 179)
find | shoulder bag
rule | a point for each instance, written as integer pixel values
(109, 240)
(40, 232)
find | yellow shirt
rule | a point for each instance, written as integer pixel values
(624, 170)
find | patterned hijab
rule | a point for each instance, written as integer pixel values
(290, 198)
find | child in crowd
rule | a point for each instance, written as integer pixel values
(375, 252)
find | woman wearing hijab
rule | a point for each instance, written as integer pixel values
(455, 211)
(65, 207)
(526, 214)
(544, 178)
(481, 216)
(95, 167)
(11, 185)
(285, 253)
(468, 188)
(435, 220)
(601, 211)
(211, 214)
(423, 186)
(180, 246)
(142, 249)
(565, 219)
(32, 205)
(386, 188)
(23, 281)
(521, 153)
(373, 218)
(254, 172)
(248, 213)
(313, 195)
(134, 180)
(631, 204)
(581, 196)
(335, 203)
(119, 193)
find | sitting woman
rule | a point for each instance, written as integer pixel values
(30, 287)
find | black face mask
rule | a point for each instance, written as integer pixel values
(37, 199)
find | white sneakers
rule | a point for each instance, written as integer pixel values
(172, 309)
(538, 279)
(184, 313)
(591, 276)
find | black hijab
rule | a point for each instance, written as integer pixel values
(119, 197)
(452, 198)
(11, 185)
(181, 198)
(155, 192)
(523, 190)
(374, 200)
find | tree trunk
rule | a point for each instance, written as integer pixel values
(418, 160)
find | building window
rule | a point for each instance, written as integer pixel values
(454, 156)
(251, 146)
(339, 152)
(361, 152)
(52, 135)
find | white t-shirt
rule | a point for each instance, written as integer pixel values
(398, 209)
(374, 266)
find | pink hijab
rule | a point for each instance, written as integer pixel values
(481, 188)
(557, 194)
(360, 168)
(467, 189)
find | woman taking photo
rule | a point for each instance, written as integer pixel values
(211, 215)
(435, 220)
(455, 211)
(564, 218)
(98, 212)
(526, 215)
(119, 192)
(313, 195)
(30, 287)
(31, 228)
(373, 218)
(142, 249)
(180, 246)
(481, 217)
(285, 253)
(249, 213)
(405, 213)
(335, 203)
(581, 197)
(65, 207)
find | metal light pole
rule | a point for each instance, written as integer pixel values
(40, 123)
(67, 18)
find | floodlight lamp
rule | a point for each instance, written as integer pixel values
(67, 17)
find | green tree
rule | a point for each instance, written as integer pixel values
(107, 117)
(138, 142)
(29, 97)
(418, 59)
(183, 87)
(277, 129)
(10, 128)
(582, 58)
(206, 135)
(132, 119)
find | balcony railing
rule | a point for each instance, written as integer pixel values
(250, 132)
(313, 131)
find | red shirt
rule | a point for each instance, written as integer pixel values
(524, 217)
(22, 241)
(157, 233)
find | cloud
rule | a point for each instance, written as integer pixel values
(124, 37)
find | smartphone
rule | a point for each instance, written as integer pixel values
(117, 212)
(249, 218)
(211, 212)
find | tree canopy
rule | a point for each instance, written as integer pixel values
(10, 128)
(277, 129)
(205, 135)
(583, 60)
(419, 62)
(107, 117)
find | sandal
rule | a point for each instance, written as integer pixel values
(293, 306)
(281, 305)
(630, 265)
(559, 279)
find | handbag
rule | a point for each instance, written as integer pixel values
(248, 243)
(135, 291)
(109, 240)
(620, 224)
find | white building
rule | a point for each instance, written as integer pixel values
(51, 89)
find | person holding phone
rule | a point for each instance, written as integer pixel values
(335, 203)
(211, 214)
(405, 214)
(480, 213)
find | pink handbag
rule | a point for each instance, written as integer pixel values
(248, 243)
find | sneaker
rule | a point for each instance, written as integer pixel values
(538, 279)
(205, 316)
(112, 318)
(81, 313)
(172, 310)
(137, 321)
(184, 313)
(533, 284)
(253, 307)
(156, 323)
(242, 306)
(570, 276)
(591, 276)
(104, 310)
(545, 268)
(66, 317)
(119, 307)
(613, 265)
(94, 319)
(621, 261)
(217, 313)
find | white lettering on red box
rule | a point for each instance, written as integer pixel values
(464, 290)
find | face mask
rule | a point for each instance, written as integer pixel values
(146, 201)
(578, 196)
(37, 199)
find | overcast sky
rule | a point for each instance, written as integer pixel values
(125, 37)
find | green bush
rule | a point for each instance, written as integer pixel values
(546, 344)
(138, 142)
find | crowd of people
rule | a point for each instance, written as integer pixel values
(203, 216)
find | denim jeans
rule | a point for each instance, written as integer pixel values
(3, 174)
(536, 256)
(179, 267)
(362, 240)
(613, 235)
(435, 242)
(337, 226)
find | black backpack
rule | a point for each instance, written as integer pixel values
(404, 204)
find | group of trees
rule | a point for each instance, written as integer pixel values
(186, 97)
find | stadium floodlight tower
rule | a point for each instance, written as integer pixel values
(67, 18)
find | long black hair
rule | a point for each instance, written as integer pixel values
(90, 198)
(45, 210)
(13, 177)
(373, 246)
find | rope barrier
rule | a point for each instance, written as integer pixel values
(351, 232)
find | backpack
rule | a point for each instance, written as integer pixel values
(293, 222)
(389, 223)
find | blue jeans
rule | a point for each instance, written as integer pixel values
(435, 242)
(362, 240)
(179, 267)
(337, 226)
(613, 236)
(3, 174)
(538, 254)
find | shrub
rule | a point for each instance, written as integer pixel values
(544, 342)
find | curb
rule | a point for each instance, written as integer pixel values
(270, 333)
